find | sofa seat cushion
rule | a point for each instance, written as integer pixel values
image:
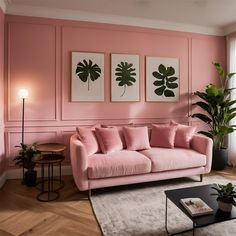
(164, 159)
(118, 163)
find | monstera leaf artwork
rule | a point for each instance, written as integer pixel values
(88, 71)
(87, 77)
(125, 75)
(165, 81)
(125, 78)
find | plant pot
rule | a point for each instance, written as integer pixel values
(223, 206)
(219, 158)
(30, 178)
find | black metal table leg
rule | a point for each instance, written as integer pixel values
(49, 193)
(166, 222)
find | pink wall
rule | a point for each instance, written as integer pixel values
(39, 58)
(2, 156)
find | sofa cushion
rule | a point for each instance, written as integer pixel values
(163, 136)
(119, 163)
(121, 133)
(184, 134)
(88, 138)
(109, 139)
(136, 138)
(164, 159)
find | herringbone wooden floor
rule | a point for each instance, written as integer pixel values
(71, 215)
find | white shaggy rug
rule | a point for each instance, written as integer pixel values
(140, 210)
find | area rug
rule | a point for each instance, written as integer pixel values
(139, 210)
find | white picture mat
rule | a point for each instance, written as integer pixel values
(152, 64)
(132, 93)
(79, 89)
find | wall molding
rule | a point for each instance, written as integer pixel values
(55, 82)
(110, 19)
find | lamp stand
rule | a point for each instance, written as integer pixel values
(23, 121)
(22, 136)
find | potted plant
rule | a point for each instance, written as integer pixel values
(25, 160)
(218, 112)
(226, 196)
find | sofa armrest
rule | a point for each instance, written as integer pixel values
(203, 145)
(79, 163)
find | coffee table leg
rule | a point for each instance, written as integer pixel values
(166, 223)
(166, 220)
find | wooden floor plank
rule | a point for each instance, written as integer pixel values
(22, 215)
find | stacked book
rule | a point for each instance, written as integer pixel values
(196, 206)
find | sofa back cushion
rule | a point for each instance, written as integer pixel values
(120, 130)
(184, 134)
(136, 138)
(163, 136)
(109, 139)
(88, 138)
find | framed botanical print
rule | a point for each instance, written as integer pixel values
(162, 79)
(87, 83)
(125, 78)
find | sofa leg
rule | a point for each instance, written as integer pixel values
(201, 177)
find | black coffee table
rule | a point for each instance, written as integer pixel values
(203, 192)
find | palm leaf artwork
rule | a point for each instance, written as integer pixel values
(87, 70)
(165, 82)
(125, 75)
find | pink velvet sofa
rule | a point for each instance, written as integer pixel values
(129, 167)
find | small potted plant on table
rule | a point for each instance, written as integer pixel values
(226, 196)
(25, 160)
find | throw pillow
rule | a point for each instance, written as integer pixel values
(121, 133)
(163, 136)
(136, 138)
(184, 134)
(88, 138)
(109, 139)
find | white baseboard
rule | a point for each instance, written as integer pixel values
(3, 179)
(17, 173)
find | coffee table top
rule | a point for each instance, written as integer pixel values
(203, 192)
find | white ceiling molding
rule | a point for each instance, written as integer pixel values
(230, 29)
(104, 18)
(3, 5)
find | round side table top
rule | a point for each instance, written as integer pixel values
(51, 147)
(49, 158)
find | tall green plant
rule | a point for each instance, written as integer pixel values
(217, 106)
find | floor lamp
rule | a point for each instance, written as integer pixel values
(23, 94)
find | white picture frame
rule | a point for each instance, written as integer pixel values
(87, 86)
(159, 86)
(123, 89)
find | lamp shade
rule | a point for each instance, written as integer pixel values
(23, 93)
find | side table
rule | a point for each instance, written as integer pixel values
(47, 190)
(51, 147)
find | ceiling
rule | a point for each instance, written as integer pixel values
(204, 16)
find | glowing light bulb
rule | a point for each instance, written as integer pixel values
(23, 93)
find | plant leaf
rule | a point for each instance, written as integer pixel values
(202, 117)
(159, 91)
(171, 85)
(162, 69)
(169, 93)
